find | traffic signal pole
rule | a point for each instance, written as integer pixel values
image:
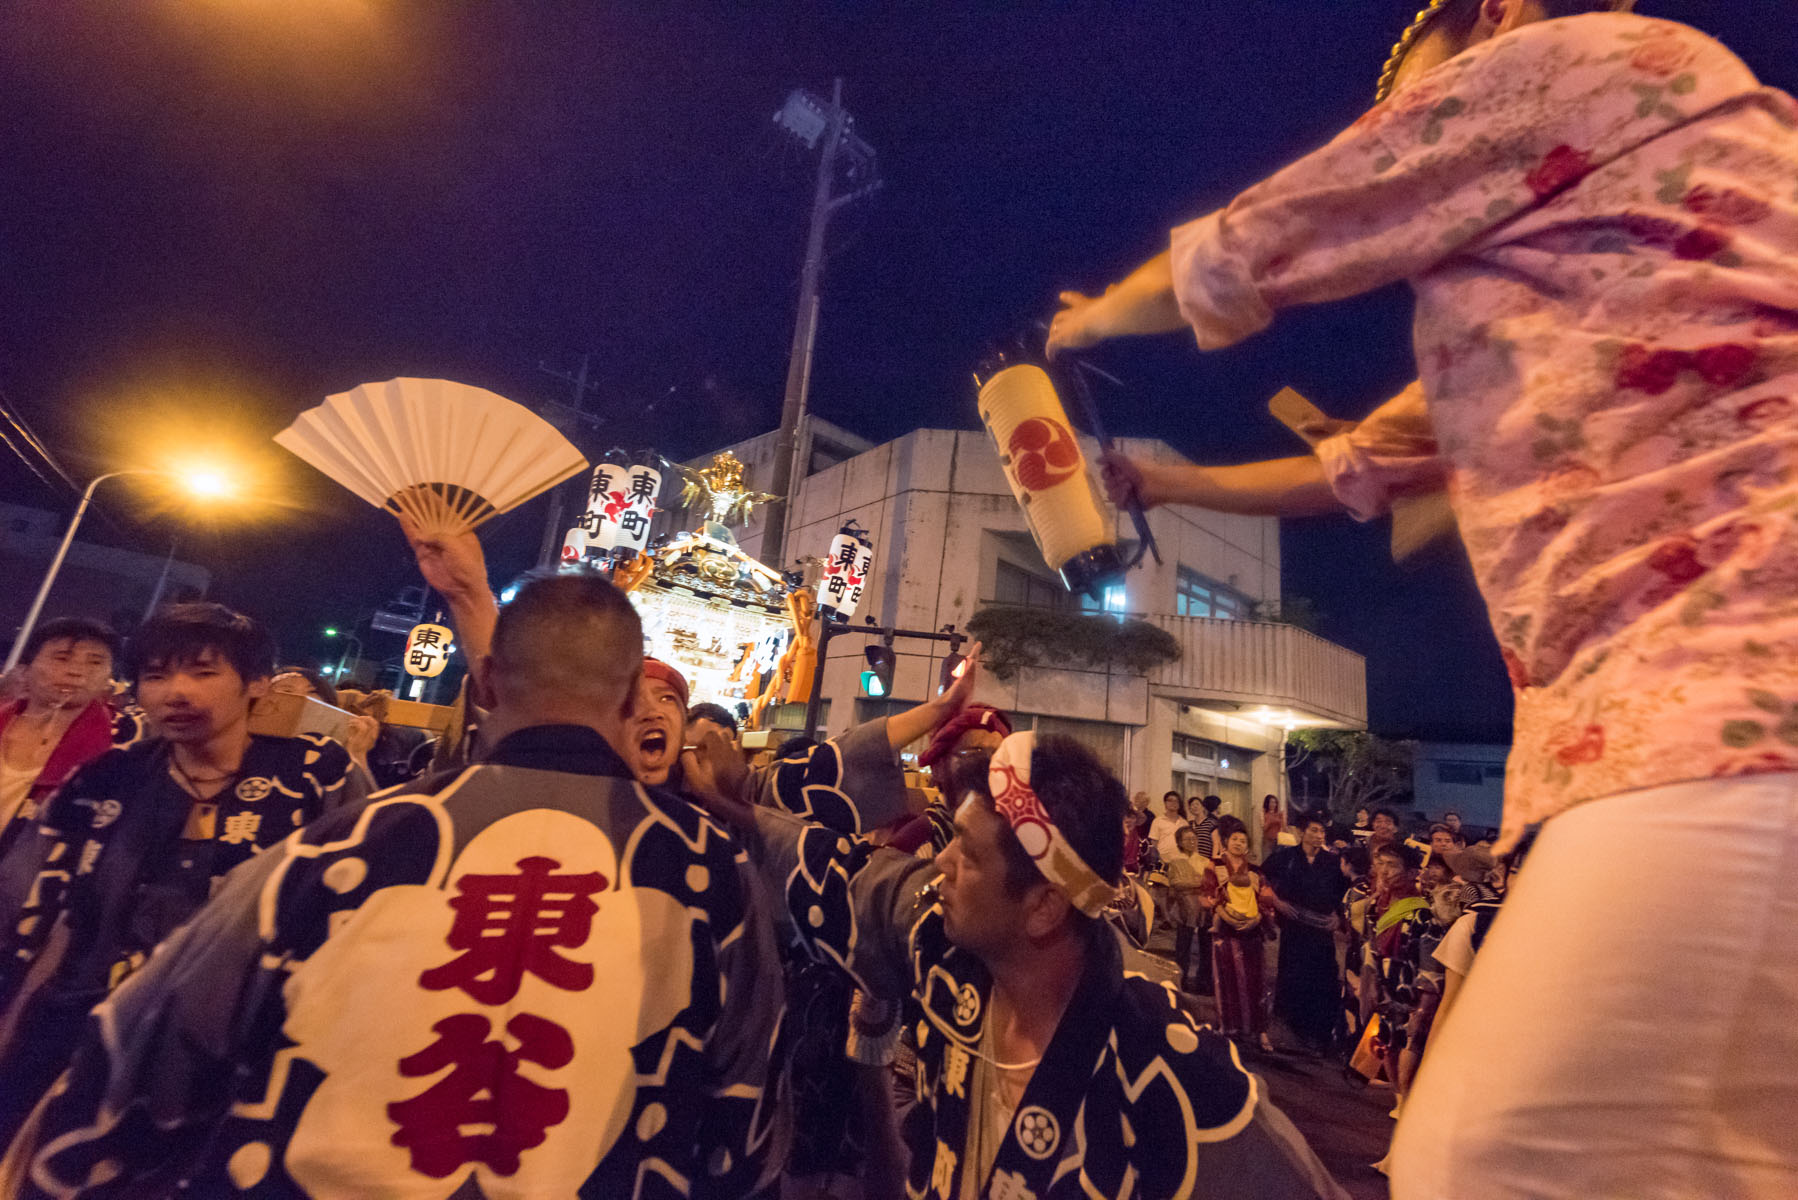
(832, 629)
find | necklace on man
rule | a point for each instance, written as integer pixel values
(192, 785)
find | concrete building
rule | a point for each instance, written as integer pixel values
(104, 583)
(950, 539)
(1466, 777)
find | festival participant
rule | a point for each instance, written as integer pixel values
(363, 731)
(1273, 823)
(515, 973)
(1239, 931)
(976, 727)
(1452, 819)
(140, 835)
(1308, 885)
(1596, 215)
(1185, 883)
(1170, 822)
(702, 717)
(64, 720)
(1384, 830)
(1042, 1069)
(1205, 825)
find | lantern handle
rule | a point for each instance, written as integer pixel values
(1075, 373)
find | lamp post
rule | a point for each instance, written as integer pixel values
(204, 484)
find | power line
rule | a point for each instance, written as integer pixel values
(30, 439)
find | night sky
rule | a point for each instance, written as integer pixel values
(216, 212)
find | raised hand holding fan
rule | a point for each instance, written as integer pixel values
(444, 455)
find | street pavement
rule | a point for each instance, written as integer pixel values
(1343, 1118)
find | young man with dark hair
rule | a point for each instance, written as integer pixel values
(1042, 1070)
(528, 977)
(1595, 213)
(711, 716)
(1308, 886)
(139, 836)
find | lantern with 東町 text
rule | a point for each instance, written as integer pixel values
(643, 485)
(428, 650)
(607, 494)
(845, 573)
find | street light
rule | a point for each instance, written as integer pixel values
(202, 483)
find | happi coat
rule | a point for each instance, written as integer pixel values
(530, 977)
(1131, 1099)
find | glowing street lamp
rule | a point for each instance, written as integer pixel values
(207, 484)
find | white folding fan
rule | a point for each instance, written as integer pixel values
(446, 455)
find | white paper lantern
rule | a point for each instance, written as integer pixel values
(574, 547)
(428, 650)
(845, 574)
(642, 487)
(1049, 476)
(607, 498)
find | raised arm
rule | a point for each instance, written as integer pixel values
(1279, 487)
(457, 568)
(1490, 134)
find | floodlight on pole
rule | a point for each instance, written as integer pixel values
(811, 119)
(201, 483)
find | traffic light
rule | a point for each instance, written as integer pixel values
(330, 631)
(877, 680)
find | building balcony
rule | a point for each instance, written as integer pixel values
(1278, 673)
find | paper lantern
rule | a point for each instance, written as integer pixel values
(643, 484)
(845, 573)
(428, 650)
(1048, 474)
(607, 498)
(574, 547)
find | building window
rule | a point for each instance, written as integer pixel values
(1469, 774)
(1014, 585)
(1114, 601)
(1197, 596)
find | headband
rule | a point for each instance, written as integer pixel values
(974, 716)
(1008, 777)
(1408, 39)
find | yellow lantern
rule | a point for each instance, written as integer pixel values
(428, 650)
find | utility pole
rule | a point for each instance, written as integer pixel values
(809, 118)
(563, 418)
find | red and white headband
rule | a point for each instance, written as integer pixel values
(1008, 778)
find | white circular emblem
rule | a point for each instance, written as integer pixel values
(1038, 1132)
(967, 1005)
(106, 812)
(252, 790)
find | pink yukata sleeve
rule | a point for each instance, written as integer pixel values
(1390, 454)
(1489, 134)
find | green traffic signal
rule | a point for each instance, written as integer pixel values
(873, 685)
(330, 631)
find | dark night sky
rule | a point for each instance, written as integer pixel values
(216, 212)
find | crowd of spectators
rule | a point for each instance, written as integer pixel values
(1376, 923)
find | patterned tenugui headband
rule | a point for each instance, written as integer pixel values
(1008, 778)
(1408, 39)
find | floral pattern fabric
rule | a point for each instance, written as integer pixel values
(1599, 218)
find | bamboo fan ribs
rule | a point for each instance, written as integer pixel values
(444, 455)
